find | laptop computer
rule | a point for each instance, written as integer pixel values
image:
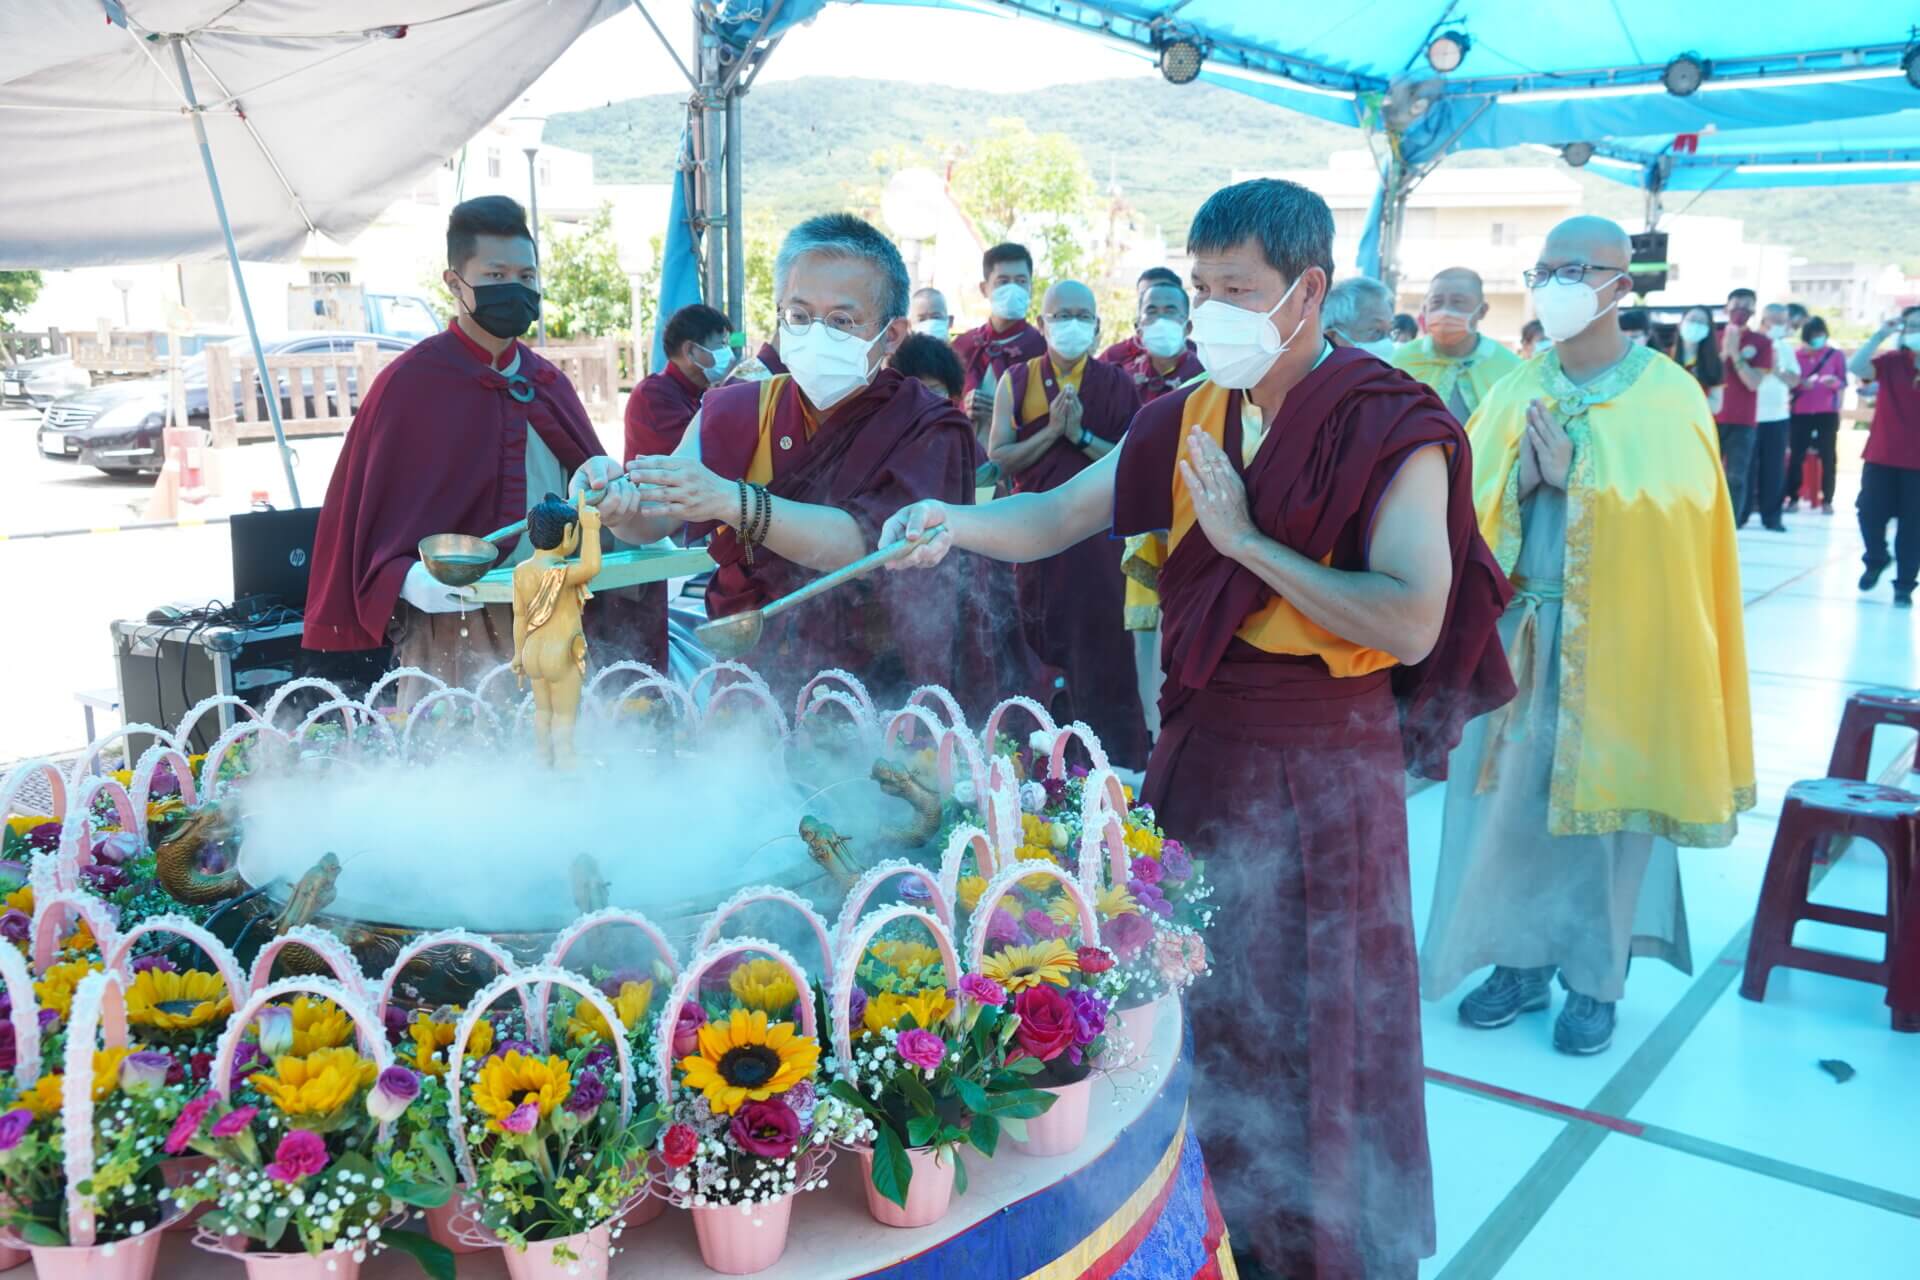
(272, 555)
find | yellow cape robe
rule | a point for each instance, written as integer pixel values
(1475, 375)
(1655, 735)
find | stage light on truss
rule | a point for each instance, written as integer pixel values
(1448, 51)
(1577, 154)
(1685, 74)
(1181, 59)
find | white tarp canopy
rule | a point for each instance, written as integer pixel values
(319, 113)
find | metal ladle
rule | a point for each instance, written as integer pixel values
(737, 634)
(460, 559)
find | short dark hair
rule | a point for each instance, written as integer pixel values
(482, 216)
(1159, 275)
(547, 524)
(1814, 327)
(853, 239)
(1533, 330)
(1404, 323)
(1005, 252)
(1292, 225)
(691, 323)
(1635, 320)
(925, 356)
(1907, 311)
(1748, 294)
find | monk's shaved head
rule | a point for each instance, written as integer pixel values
(1460, 280)
(1067, 295)
(1600, 242)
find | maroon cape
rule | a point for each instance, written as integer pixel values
(1152, 384)
(1124, 350)
(439, 445)
(658, 411)
(985, 355)
(893, 444)
(1074, 605)
(1292, 781)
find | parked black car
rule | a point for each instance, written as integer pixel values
(116, 427)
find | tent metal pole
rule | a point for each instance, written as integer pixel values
(269, 385)
(736, 225)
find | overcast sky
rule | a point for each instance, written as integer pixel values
(621, 58)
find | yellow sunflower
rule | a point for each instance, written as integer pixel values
(1018, 968)
(177, 1001)
(55, 986)
(514, 1079)
(929, 1008)
(630, 1006)
(1143, 842)
(969, 890)
(744, 1059)
(318, 1023)
(764, 985)
(315, 1084)
(1115, 900)
(905, 957)
(45, 1100)
(81, 939)
(430, 1037)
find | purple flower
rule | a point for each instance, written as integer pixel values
(589, 1091)
(1040, 924)
(1147, 870)
(44, 838)
(801, 1098)
(768, 1129)
(981, 989)
(501, 1048)
(247, 1059)
(15, 926)
(103, 878)
(235, 1122)
(1089, 1016)
(921, 1049)
(164, 782)
(523, 1119)
(299, 1155)
(276, 1031)
(1002, 927)
(145, 1070)
(48, 1019)
(397, 1020)
(1150, 897)
(915, 890)
(13, 1127)
(117, 848)
(393, 1092)
(686, 1029)
(611, 987)
(857, 1007)
(1175, 861)
(1127, 935)
(599, 1056)
(155, 962)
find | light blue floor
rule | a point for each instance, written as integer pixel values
(1708, 1142)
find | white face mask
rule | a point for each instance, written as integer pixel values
(1695, 331)
(1238, 346)
(1070, 339)
(1164, 338)
(934, 327)
(1911, 341)
(1010, 302)
(722, 361)
(1565, 310)
(1379, 348)
(828, 367)
(1778, 331)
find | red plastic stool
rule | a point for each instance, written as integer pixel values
(1903, 992)
(1835, 809)
(1866, 711)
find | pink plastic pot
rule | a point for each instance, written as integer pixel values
(1138, 1024)
(11, 1257)
(121, 1260)
(178, 1173)
(1064, 1127)
(301, 1266)
(928, 1195)
(644, 1212)
(740, 1240)
(581, 1257)
(441, 1230)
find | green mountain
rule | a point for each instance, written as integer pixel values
(811, 143)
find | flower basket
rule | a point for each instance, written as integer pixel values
(929, 1193)
(584, 1255)
(130, 1259)
(454, 1226)
(301, 1266)
(1063, 1127)
(1138, 1026)
(743, 1239)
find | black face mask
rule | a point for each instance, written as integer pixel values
(504, 310)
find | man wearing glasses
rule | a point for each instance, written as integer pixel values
(795, 475)
(1597, 483)
(1053, 417)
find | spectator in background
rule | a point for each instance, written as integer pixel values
(1816, 411)
(1747, 356)
(1358, 312)
(1890, 477)
(1694, 351)
(934, 363)
(1459, 362)
(1797, 316)
(1533, 340)
(1405, 329)
(1637, 325)
(1133, 346)
(697, 341)
(928, 314)
(1766, 483)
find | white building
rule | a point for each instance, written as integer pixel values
(1858, 294)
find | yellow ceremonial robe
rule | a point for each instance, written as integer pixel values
(1654, 734)
(1461, 382)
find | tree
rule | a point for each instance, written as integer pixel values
(585, 293)
(18, 289)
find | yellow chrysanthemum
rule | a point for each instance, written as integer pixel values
(318, 1023)
(1018, 968)
(45, 1100)
(1063, 911)
(177, 1001)
(431, 1037)
(106, 1071)
(514, 1079)
(630, 1006)
(55, 987)
(81, 939)
(929, 1008)
(316, 1084)
(764, 985)
(746, 1059)
(1115, 900)
(904, 956)
(21, 899)
(1143, 842)
(969, 890)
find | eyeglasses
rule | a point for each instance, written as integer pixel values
(1567, 273)
(797, 320)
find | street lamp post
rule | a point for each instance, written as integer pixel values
(527, 128)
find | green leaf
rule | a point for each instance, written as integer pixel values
(916, 1094)
(984, 1133)
(1014, 1127)
(1023, 1104)
(959, 1172)
(41, 1234)
(972, 1096)
(1027, 1067)
(892, 1171)
(922, 1130)
(421, 1195)
(434, 1259)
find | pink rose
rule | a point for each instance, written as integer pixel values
(981, 989)
(522, 1119)
(300, 1155)
(1002, 927)
(921, 1049)
(186, 1127)
(1170, 959)
(678, 1146)
(1126, 936)
(235, 1122)
(1040, 924)
(1196, 954)
(686, 1029)
(1047, 1023)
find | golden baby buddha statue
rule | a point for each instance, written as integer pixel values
(549, 646)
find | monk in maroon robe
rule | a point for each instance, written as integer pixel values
(1167, 359)
(794, 476)
(461, 434)
(1133, 346)
(1330, 619)
(1006, 339)
(663, 403)
(1053, 417)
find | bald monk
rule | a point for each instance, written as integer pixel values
(1006, 281)
(929, 315)
(1329, 618)
(795, 474)
(1459, 362)
(1053, 417)
(1133, 346)
(1630, 736)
